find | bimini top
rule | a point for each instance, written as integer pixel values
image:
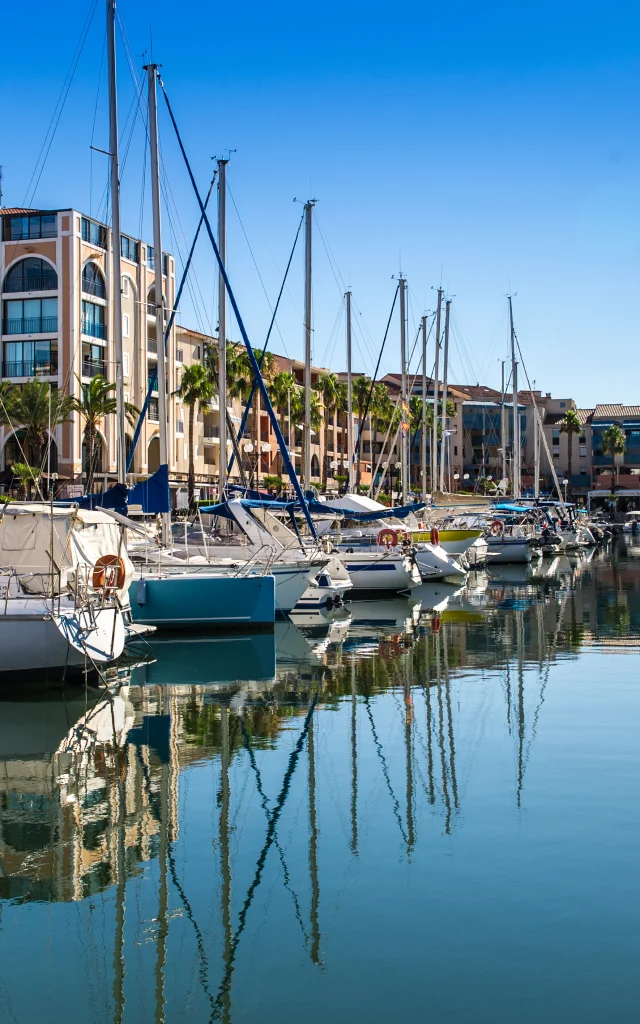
(316, 508)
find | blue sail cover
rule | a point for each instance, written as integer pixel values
(152, 494)
(114, 497)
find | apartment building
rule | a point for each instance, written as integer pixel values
(590, 466)
(56, 269)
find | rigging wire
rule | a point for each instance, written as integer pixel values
(59, 108)
(246, 237)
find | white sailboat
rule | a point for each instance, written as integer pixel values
(64, 573)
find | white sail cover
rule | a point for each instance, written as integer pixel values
(38, 540)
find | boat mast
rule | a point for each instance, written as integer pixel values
(436, 389)
(115, 239)
(445, 374)
(503, 430)
(349, 397)
(152, 74)
(516, 418)
(222, 325)
(306, 469)
(404, 436)
(536, 451)
(423, 440)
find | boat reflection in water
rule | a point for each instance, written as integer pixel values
(237, 813)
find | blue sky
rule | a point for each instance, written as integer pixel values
(492, 148)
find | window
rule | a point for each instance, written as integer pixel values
(30, 316)
(94, 233)
(153, 410)
(125, 364)
(555, 434)
(179, 355)
(209, 455)
(31, 275)
(92, 360)
(179, 426)
(583, 451)
(39, 225)
(128, 248)
(125, 325)
(556, 454)
(151, 259)
(93, 281)
(30, 358)
(455, 449)
(125, 287)
(562, 405)
(93, 319)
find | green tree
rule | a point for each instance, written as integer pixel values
(27, 476)
(96, 401)
(613, 443)
(360, 388)
(36, 407)
(329, 387)
(197, 388)
(570, 425)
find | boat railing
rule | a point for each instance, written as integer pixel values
(36, 584)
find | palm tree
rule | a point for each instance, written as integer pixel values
(570, 425)
(360, 388)
(281, 387)
(96, 402)
(329, 387)
(613, 443)
(197, 388)
(36, 406)
(27, 475)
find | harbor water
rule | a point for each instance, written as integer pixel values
(421, 809)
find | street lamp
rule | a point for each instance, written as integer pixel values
(565, 484)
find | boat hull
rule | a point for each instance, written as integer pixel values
(32, 641)
(435, 564)
(199, 601)
(380, 573)
(508, 550)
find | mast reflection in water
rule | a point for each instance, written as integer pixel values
(426, 809)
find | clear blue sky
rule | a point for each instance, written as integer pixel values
(491, 146)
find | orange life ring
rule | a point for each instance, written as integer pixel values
(497, 527)
(108, 573)
(435, 535)
(388, 537)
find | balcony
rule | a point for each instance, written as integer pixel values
(31, 369)
(152, 345)
(92, 368)
(92, 328)
(48, 283)
(95, 287)
(152, 382)
(31, 325)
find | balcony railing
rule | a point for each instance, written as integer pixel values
(48, 283)
(211, 430)
(30, 369)
(93, 328)
(31, 325)
(92, 368)
(94, 288)
(152, 345)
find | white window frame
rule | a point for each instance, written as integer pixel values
(125, 325)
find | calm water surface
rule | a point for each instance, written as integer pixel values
(429, 811)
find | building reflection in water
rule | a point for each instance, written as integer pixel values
(90, 786)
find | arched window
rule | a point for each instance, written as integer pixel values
(153, 455)
(315, 466)
(31, 275)
(93, 280)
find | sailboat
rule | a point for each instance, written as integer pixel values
(67, 573)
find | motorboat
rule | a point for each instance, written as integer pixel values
(64, 577)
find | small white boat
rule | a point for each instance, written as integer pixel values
(64, 580)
